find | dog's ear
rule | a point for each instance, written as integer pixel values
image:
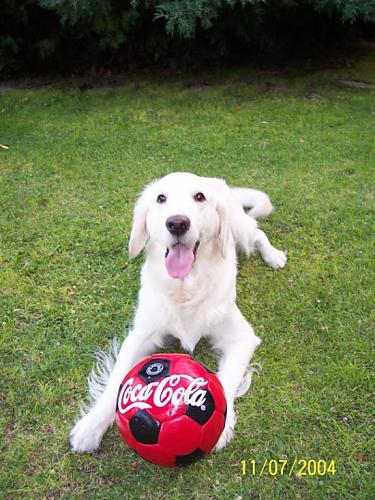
(224, 226)
(139, 234)
(221, 192)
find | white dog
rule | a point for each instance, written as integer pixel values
(190, 227)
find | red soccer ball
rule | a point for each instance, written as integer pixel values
(171, 409)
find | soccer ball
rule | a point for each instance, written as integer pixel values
(171, 409)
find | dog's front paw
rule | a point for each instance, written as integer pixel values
(87, 433)
(276, 259)
(228, 431)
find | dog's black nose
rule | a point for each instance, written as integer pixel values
(178, 224)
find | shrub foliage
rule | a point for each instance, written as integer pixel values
(63, 33)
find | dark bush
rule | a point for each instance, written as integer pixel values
(65, 34)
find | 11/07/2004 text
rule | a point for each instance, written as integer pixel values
(300, 467)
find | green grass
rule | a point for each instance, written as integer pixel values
(75, 163)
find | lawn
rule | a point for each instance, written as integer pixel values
(75, 163)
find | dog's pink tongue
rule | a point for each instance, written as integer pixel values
(179, 261)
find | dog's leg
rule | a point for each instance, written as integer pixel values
(272, 257)
(88, 431)
(236, 341)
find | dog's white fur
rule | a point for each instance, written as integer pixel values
(200, 305)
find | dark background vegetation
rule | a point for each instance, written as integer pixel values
(74, 35)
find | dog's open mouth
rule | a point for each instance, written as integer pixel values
(179, 260)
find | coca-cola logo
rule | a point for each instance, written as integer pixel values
(161, 393)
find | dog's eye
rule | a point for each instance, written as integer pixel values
(161, 198)
(199, 197)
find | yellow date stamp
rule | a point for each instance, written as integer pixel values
(286, 467)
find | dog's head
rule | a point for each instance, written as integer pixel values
(181, 213)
